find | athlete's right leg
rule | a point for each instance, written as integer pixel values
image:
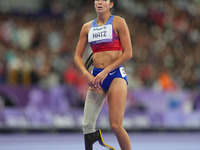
(93, 105)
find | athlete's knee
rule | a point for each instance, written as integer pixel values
(116, 127)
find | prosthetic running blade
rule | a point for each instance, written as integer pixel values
(102, 143)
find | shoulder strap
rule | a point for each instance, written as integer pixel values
(110, 20)
(94, 23)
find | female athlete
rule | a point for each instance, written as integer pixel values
(109, 38)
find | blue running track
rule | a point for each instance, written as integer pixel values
(74, 141)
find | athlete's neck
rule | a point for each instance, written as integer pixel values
(103, 18)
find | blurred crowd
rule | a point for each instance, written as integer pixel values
(166, 44)
(39, 49)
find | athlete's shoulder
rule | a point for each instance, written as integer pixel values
(118, 19)
(119, 23)
(86, 26)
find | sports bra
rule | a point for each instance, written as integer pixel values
(103, 38)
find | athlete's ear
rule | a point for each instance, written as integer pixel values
(111, 5)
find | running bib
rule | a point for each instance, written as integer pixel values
(100, 34)
(122, 71)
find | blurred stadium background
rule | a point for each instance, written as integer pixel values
(41, 89)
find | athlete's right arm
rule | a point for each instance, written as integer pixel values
(83, 41)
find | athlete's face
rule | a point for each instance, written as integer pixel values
(103, 5)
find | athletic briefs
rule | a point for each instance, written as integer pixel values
(117, 73)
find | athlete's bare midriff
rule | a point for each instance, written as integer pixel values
(106, 58)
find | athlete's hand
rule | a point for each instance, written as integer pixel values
(99, 79)
(90, 78)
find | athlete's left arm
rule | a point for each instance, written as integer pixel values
(123, 33)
